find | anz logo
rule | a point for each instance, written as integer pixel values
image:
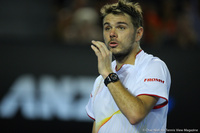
(48, 97)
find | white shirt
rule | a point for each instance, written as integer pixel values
(149, 76)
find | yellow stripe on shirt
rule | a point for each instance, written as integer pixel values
(101, 123)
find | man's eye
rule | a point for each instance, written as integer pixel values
(107, 28)
(122, 28)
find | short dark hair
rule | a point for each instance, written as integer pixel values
(123, 6)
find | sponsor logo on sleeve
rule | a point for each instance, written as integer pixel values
(153, 80)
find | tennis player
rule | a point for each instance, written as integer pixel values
(131, 93)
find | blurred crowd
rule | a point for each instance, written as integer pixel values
(166, 22)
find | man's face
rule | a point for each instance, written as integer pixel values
(119, 34)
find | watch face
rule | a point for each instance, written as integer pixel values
(114, 76)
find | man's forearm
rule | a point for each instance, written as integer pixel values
(94, 127)
(132, 107)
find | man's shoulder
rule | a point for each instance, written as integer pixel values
(150, 63)
(152, 60)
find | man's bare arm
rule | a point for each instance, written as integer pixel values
(134, 108)
(94, 127)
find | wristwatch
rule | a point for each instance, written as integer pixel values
(112, 77)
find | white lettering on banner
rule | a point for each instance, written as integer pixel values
(64, 98)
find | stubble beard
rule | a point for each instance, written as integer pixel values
(121, 56)
(124, 54)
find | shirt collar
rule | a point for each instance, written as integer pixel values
(126, 66)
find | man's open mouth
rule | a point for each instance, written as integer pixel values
(113, 44)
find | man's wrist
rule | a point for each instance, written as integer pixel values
(106, 74)
(112, 77)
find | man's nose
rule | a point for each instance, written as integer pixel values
(113, 34)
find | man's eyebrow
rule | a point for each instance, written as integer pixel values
(122, 23)
(107, 23)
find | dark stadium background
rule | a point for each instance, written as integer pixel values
(33, 46)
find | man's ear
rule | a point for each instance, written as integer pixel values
(139, 34)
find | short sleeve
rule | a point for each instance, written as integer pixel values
(89, 107)
(155, 82)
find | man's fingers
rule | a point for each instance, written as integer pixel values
(104, 57)
(96, 50)
(95, 46)
(101, 47)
